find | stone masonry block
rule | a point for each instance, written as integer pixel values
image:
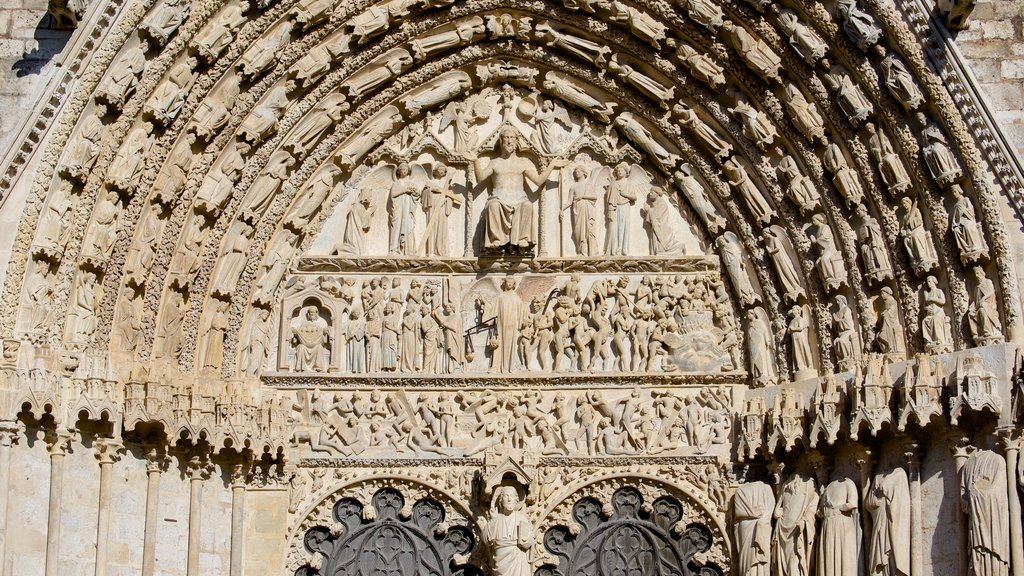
(1005, 96)
(1013, 68)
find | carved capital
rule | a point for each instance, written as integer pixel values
(9, 432)
(59, 442)
(959, 445)
(199, 467)
(240, 474)
(1011, 438)
(108, 450)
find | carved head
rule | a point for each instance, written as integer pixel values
(509, 140)
(311, 313)
(506, 499)
(621, 170)
(403, 170)
(579, 173)
(440, 171)
(508, 284)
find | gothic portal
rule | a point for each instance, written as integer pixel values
(508, 288)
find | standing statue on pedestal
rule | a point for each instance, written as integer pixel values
(753, 506)
(984, 499)
(794, 526)
(888, 502)
(508, 213)
(508, 534)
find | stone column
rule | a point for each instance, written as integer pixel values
(960, 446)
(8, 437)
(1012, 439)
(155, 463)
(239, 475)
(57, 448)
(862, 458)
(198, 470)
(910, 450)
(107, 453)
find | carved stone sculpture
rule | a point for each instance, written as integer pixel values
(760, 348)
(257, 344)
(689, 119)
(404, 195)
(161, 23)
(851, 99)
(967, 231)
(213, 339)
(586, 50)
(795, 515)
(312, 197)
(568, 90)
(830, 260)
(265, 187)
(82, 310)
(759, 56)
(641, 136)
(620, 196)
(701, 66)
(39, 296)
(756, 125)
(215, 111)
(804, 114)
(460, 32)
(508, 534)
(839, 541)
(316, 63)
(801, 188)
(843, 176)
(917, 239)
(873, 252)
(776, 243)
(703, 12)
(983, 314)
(732, 259)
(583, 200)
(859, 26)
(100, 236)
(889, 336)
(844, 344)
(894, 174)
(264, 53)
(698, 198)
(751, 194)
(802, 38)
(941, 162)
(935, 326)
(309, 13)
(262, 121)
(85, 148)
(357, 224)
(216, 188)
(508, 311)
(984, 500)
(123, 173)
(219, 33)
(753, 507)
(310, 336)
(168, 98)
(628, 71)
(375, 74)
(173, 175)
(656, 212)
(643, 25)
(900, 83)
(799, 326)
(888, 503)
(123, 77)
(438, 201)
(508, 213)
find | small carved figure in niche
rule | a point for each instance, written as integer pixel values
(464, 118)
(233, 255)
(698, 198)
(374, 330)
(894, 174)
(213, 348)
(799, 327)
(851, 99)
(775, 244)
(631, 128)
(461, 32)
(129, 329)
(82, 313)
(839, 540)
(404, 194)
(917, 239)
(53, 230)
(936, 330)
(966, 229)
(873, 250)
(586, 50)
(430, 339)
(173, 176)
(688, 118)
(830, 259)
(657, 212)
(859, 26)
(328, 112)
(804, 41)
(650, 87)
(941, 162)
(438, 200)
(39, 296)
(759, 57)
(643, 25)
(379, 18)
(583, 198)
(310, 337)
(85, 148)
(216, 36)
(740, 181)
(843, 176)
(756, 126)
(264, 189)
(804, 114)
(703, 12)
(621, 195)
(123, 173)
(760, 346)
(357, 224)
(161, 23)
(257, 344)
(795, 515)
(801, 188)
(888, 503)
(312, 197)
(563, 88)
(732, 259)
(983, 498)
(409, 344)
(843, 344)
(123, 77)
(391, 330)
(508, 534)
(900, 83)
(265, 52)
(262, 121)
(983, 314)
(507, 312)
(890, 331)
(215, 111)
(753, 506)
(508, 212)
(317, 61)
(172, 342)
(101, 234)
(168, 98)
(453, 338)
(309, 13)
(546, 114)
(702, 67)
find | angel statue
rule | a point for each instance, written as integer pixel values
(584, 195)
(622, 193)
(545, 114)
(508, 212)
(463, 117)
(438, 201)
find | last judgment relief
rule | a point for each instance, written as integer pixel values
(480, 288)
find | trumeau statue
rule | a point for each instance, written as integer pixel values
(508, 534)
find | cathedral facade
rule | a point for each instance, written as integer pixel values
(510, 288)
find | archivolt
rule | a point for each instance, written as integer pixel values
(150, 216)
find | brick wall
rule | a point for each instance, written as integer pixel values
(994, 48)
(27, 49)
